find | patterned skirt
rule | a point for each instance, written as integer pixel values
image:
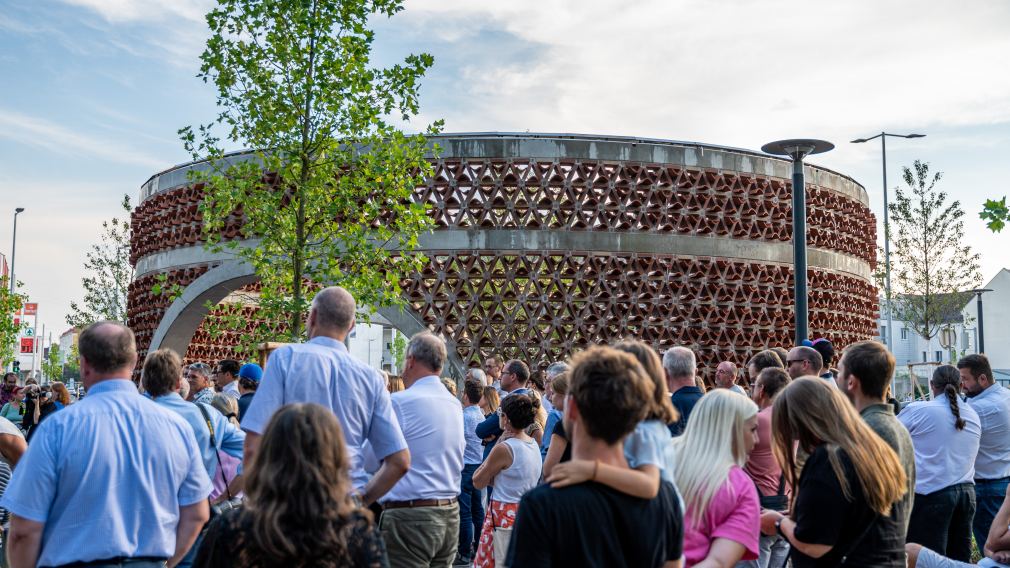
(504, 515)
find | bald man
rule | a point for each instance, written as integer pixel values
(321, 371)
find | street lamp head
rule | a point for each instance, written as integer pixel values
(915, 136)
(797, 148)
(19, 210)
(980, 291)
(857, 141)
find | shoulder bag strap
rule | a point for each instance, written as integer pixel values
(859, 539)
(213, 444)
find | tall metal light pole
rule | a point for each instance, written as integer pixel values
(14, 242)
(981, 328)
(887, 232)
(797, 150)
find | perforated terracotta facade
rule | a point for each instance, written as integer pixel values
(569, 241)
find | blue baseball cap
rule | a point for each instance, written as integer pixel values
(251, 371)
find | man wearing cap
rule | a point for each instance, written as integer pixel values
(827, 351)
(248, 381)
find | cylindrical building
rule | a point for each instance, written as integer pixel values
(547, 243)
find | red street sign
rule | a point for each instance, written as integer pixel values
(28, 345)
(31, 309)
(17, 322)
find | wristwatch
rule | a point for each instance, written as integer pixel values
(778, 527)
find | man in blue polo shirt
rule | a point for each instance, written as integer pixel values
(112, 479)
(680, 366)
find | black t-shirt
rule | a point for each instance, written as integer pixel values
(824, 516)
(592, 525)
(559, 429)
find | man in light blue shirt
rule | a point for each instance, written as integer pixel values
(420, 518)
(162, 380)
(992, 465)
(323, 372)
(113, 476)
(471, 500)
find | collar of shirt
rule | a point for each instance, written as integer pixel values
(427, 382)
(328, 342)
(112, 385)
(879, 408)
(170, 396)
(989, 391)
(686, 390)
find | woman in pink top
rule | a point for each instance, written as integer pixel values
(722, 516)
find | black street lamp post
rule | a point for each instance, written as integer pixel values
(797, 150)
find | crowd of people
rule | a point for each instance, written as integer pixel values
(616, 457)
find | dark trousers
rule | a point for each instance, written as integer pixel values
(989, 494)
(941, 521)
(471, 510)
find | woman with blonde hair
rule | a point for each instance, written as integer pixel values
(298, 510)
(842, 501)
(722, 512)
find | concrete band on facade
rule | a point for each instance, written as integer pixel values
(587, 207)
(521, 240)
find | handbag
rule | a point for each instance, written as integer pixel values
(500, 540)
(231, 502)
(777, 502)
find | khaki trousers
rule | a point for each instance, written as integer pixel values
(421, 536)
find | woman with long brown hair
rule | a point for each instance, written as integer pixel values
(297, 511)
(842, 502)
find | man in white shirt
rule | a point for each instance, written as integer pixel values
(725, 377)
(420, 517)
(226, 377)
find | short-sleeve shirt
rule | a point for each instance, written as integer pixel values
(592, 525)
(734, 514)
(824, 516)
(432, 422)
(761, 465)
(944, 455)
(107, 477)
(323, 372)
(650, 443)
(993, 408)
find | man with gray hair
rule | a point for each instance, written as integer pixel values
(321, 371)
(420, 517)
(681, 366)
(476, 374)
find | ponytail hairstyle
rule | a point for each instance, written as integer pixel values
(947, 379)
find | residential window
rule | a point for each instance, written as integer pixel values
(904, 333)
(939, 356)
(883, 333)
(924, 357)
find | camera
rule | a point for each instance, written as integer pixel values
(32, 393)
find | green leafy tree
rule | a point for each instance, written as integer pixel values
(10, 303)
(73, 365)
(108, 274)
(329, 194)
(996, 214)
(932, 269)
(51, 366)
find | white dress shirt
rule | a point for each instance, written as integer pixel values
(432, 422)
(944, 455)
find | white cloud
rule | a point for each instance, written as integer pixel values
(118, 11)
(25, 129)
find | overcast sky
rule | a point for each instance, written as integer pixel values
(93, 92)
